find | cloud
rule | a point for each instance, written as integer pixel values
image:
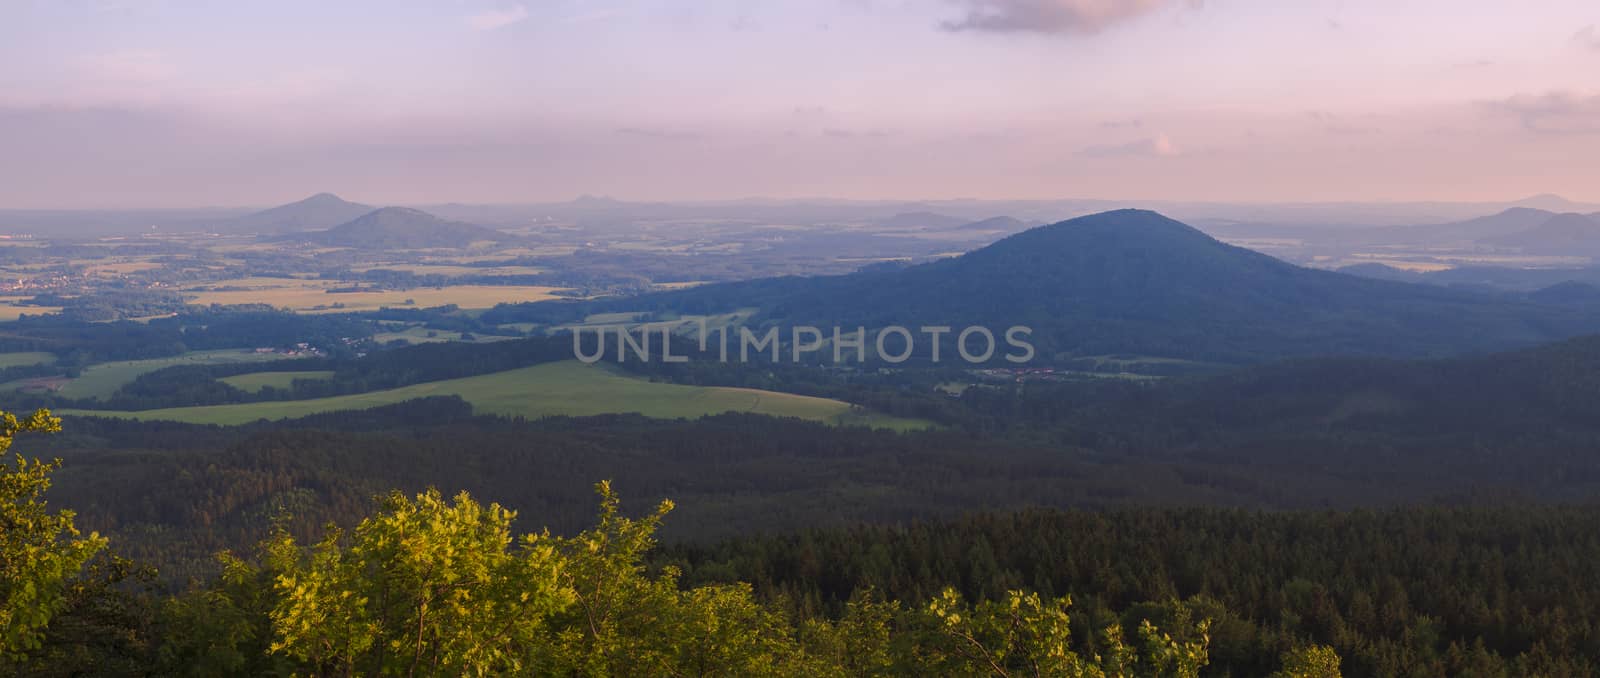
(132, 66)
(1076, 17)
(1559, 112)
(1588, 36)
(1133, 123)
(499, 18)
(657, 133)
(1158, 146)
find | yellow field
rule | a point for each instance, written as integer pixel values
(120, 267)
(311, 296)
(9, 310)
(454, 270)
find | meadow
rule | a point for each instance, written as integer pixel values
(102, 380)
(21, 358)
(566, 388)
(255, 381)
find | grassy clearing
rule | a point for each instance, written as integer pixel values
(255, 381)
(564, 388)
(423, 335)
(100, 381)
(25, 358)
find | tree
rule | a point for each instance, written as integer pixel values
(426, 587)
(1026, 635)
(40, 551)
(1311, 661)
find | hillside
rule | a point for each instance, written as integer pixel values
(1002, 224)
(1497, 400)
(398, 228)
(1506, 222)
(928, 220)
(319, 211)
(553, 389)
(1561, 234)
(1132, 281)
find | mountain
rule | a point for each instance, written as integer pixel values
(1516, 412)
(1548, 201)
(1571, 292)
(1502, 223)
(1133, 282)
(400, 228)
(1562, 234)
(1001, 224)
(928, 220)
(319, 211)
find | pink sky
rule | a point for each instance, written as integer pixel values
(111, 103)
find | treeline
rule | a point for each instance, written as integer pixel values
(187, 490)
(1483, 591)
(437, 587)
(1501, 591)
(190, 385)
(77, 342)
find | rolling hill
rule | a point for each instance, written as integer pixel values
(1561, 234)
(567, 388)
(1132, 282)
(399, 228)
(1002, 224)
(928, 220)
(323, 210)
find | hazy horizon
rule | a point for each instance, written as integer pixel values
(165, 103)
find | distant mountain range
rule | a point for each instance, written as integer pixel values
(1568, 234)
(320, 211)
(1133, 282)
(928, 220)
(1521, 227)
(1499, 279)
(400, 228)
(997, 224)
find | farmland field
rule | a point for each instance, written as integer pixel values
(255, 381)
(100, 381)
(11, 308)
(26, 358)
(423, 335)
(564, 388)
(313, 296)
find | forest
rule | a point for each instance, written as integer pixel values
(431, 584)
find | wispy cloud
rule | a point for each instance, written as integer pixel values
(498, 18)
(1561, 112)
(1159, 145)
(655, 133)
(1080, 17)
(133, 66)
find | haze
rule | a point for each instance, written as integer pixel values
(133, 103)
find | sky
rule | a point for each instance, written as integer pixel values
(174, 103)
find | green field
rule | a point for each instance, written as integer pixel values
(423, 335)
(100, 381)
(564, 388)
(26, 358)
(256, 381)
